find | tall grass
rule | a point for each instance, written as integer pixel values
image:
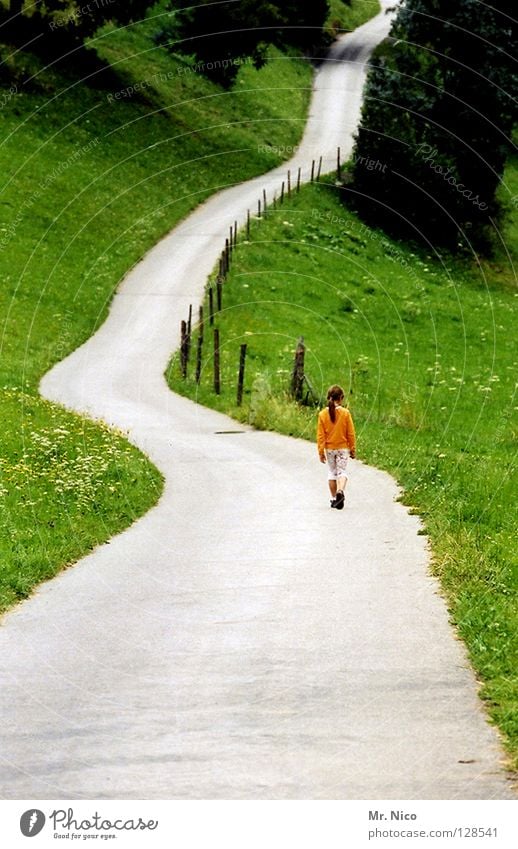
(347, 16)
(93, 173)
(424, 345)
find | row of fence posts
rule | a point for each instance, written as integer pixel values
(298, 377)
(215, 304)
(215, 299)
(185, 347)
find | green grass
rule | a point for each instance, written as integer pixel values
(344, 17)
(424, 347)
(89, 182)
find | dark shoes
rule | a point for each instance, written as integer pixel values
(339, 500)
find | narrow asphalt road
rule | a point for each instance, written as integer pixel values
(241, 640)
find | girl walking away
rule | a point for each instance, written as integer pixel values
(336, 442)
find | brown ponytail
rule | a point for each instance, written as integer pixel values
(334, 393)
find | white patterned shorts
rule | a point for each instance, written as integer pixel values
(337, 463)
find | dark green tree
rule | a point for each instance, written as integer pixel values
(83, 18)
(66, 23)
(440, 105)
(221, 34)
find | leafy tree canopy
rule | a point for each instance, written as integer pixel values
(68, 21)
(438, 116)
(219, 34)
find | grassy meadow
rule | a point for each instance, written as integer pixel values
(424, 345)
(93, 173)
(94, 170)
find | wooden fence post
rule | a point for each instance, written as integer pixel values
(219, 294)
(184, 350)
(297, 379)
(211, 305)
(298, 180)
(188, 338)
(313, 171)
(235, 233)
(319, 168)
(227, 256)
(289, 183)
(264, 201)
(282, 192)
(217, 381)
(338, 165)
(241, 374)
(258, 208)
(200, 346)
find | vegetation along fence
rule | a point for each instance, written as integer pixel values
(300, 388)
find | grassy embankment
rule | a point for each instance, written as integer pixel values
(89, 183)
(425, 348)
(93, 174)
(344, 17)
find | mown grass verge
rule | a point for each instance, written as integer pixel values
(425, 348)
(94, 172)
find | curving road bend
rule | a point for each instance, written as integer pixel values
(237, 642)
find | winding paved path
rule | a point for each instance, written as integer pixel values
(208, 651)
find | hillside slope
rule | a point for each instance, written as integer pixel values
(424, 346)
(94, 172)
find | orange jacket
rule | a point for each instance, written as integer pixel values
(337, 434)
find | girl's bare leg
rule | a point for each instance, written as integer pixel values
(339, 498)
